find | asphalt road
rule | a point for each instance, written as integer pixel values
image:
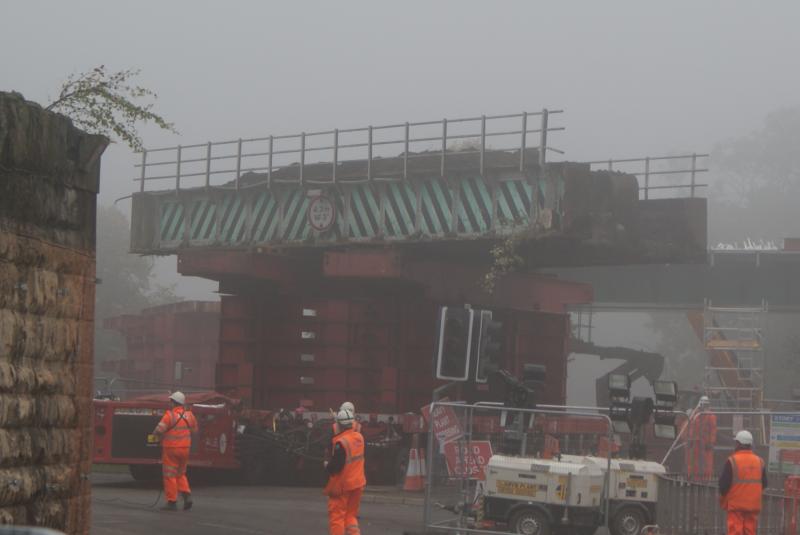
(121, 506)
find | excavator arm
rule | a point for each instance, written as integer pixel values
(637, 364)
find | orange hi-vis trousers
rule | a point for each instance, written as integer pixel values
(343, 513)
(742, 523)
(173, 463)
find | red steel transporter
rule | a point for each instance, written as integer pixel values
(332, 273)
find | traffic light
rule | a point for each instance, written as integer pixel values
(455, 343)
(490, 347)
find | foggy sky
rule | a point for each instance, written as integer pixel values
(635, 78)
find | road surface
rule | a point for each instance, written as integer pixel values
(121, 506)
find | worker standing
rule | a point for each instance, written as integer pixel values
(176, 429)
(347, 406)
(346, 479)
(743, 479)
(701, 439)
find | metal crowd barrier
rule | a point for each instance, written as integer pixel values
(689, 508)
(453, 491)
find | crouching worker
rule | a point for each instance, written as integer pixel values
(175, 431)
(346, 480)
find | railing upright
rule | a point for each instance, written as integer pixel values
(646, 178)
(405, 154)
(269, 163)
(523, 141)
(208, 164)
(444, 146)
(238, 161)
(144, 169)
(302, 156)
(335, 154)
(483, 142)
(369, 153)
(694, 171)
(178, 170)
(543, 139)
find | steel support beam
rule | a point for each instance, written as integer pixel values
(454, 282)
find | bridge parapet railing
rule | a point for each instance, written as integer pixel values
(348, 155)
(662, 176)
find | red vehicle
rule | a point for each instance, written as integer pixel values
(121, 429)
(286, 446)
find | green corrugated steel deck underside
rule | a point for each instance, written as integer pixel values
(415, 210)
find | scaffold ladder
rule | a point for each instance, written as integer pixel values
(734, 340)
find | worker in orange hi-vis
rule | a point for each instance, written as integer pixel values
(346, 406)
(175, 430)
(701, 436)
(346, 479)
(741, 484)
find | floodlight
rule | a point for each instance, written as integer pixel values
(621, 427)
(619, 415)
(666, 392)
(619, 385)
(665, 431)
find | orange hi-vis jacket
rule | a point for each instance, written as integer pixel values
(703, 429)
(356, 427)
(352, 475)
(177, 425)
(746, 486)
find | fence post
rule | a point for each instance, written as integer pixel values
(144, 168)
(178, 171)
(238, 161)
(335, 153)
(694, 168)
(208, 164)
(523, 141)
(543, 140)
(646, 177)
(444, 146)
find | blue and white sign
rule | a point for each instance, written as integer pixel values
(784, 443)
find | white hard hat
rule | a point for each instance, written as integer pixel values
(348, 406)
(744, 437)
(178, 397)
(703, 400)
(344, 418)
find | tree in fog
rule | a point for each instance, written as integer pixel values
(756, 183)
(108, 103)
(126, 281)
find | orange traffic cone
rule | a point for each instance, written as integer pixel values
(415, 473)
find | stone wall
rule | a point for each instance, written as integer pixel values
(49, 178)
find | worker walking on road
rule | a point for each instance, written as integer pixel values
(346, 479)
(743, 479)
(176, 429)
(701, 438)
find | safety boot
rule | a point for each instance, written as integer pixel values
(170, 506)
(187, 501)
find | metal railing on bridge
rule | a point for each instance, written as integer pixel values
(661, 174)
(223, 163)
